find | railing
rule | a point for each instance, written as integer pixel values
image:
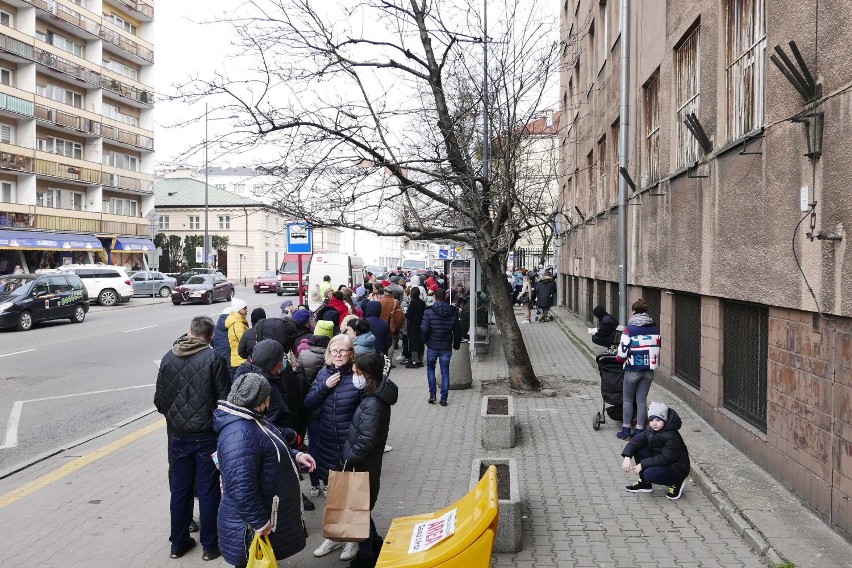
(124, 182)
(67, 66)
(128, 91)
(68, 15)
(68, 120)
(16, 47)
(140, 6)
(119, 135)
(60, 170)
(126, 44)
(11, 161)
(14, 104)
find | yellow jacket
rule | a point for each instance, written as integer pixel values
(236, 325)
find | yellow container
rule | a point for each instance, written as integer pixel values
(469, 546)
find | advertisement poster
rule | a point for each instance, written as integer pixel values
(428, 534)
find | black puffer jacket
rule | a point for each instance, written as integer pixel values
(284, 331)
(667, 445)
(192, 378)
(440, 328)
(368, 433)
(278, 412)
(607, 334)
(545, 291)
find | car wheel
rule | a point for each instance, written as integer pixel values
(176, 303)
(108, 297)
(25, 321)
(209, 299)
(279, 293)
(79, 314)
(257, 291)
(165, 292)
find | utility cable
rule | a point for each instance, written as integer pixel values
(810, 212)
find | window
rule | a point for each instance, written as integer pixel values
(61, 42)
(220, 186)
(60, 146)
(121, 69)
(745, 346)
(687, 348)
(60, 94)
(113, 112)
(615, 177)
(7, 192)
(590, 173)
(266, 260)
(5, 76)
(122, 23)
(76, 200)
(603, 158)
(7, 134)
(604, 33)
(240, 188)
(652, 131)
(590, 49)
(49, 198)
(224, 221)
(5, 19)
(163, 222)
(121, 160)
(746, 59)
(687, 77)
(128, 208)
(194, 222)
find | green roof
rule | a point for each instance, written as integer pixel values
(187, 192)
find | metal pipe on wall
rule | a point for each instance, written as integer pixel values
(624, 124)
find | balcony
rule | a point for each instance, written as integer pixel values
(113, 37)
(66, 66)
(127, 183)
(16, 47)
(67, 120)
(124, 137)
(78, 221)
(127, 91)
(62, 13)
(16, 105)
(16, 158)
(141, 6)
(67, 171)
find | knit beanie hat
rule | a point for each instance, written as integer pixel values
(361, 291)
(324, 327)
(249, 390)
(237, 304)
(658, 410)
(257, 314)
(286, 304)
(267, 353)
(301, 317)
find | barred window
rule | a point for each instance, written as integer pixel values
(746, 64)
(687, 89)
(652, 131)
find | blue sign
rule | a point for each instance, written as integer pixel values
(442, 254)
(300, 239)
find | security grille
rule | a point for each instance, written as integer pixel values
(652, 298)
(601, 294)
(576, 305)
(590, 300)
(746, 343)
(613, 299)
(687, 333)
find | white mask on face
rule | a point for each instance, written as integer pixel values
(359, 381)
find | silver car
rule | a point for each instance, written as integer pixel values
(152, 283)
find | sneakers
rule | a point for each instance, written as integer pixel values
(640, 487)
(624, 433)
(193, 526)
(411, 365)
(180, 550)
(675, 491)
(431, 400)
(327, 547)
(636, 432)
(210, 554)
(388, 448)
(525, 321)
(443, 403)
(307, 504)
(349, 551)
(324, 488)
(315, 491)
(402, 359)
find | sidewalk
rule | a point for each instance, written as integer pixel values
(113, 511)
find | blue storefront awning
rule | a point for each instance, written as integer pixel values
(29, 240)
(131, 244)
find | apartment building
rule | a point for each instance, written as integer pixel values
(76, 131)
(737, 226)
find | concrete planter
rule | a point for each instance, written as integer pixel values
(508, 538)
(497, 430)
(461, 376)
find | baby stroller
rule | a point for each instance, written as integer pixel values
(612, 387)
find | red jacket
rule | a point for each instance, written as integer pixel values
(341, 307)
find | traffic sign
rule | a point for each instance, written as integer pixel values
(442, 254)
(299, 238)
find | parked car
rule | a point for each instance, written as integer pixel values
(108, 285)
(152, 283)
(27, 299)
(266, 282)
(189, 273)
(204, 288)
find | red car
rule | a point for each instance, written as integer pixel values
(266, 282)
(204, 288)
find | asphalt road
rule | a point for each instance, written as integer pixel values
(61, 382)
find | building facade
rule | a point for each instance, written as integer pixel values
(737, 224)
(76, 131)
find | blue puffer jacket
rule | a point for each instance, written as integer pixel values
(365, 343)
(337, 407)
(440, 328)
(220, 339)
(256, 467)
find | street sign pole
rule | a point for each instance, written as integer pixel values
(300, 242)
(299, 283)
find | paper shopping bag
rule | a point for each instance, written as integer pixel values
(261, 554)
(347, 507)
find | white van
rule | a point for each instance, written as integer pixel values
(344, 268)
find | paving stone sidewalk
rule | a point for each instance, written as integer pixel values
(114, 511)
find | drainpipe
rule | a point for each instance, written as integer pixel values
(622, 161)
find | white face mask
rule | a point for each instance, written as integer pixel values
(359, 381)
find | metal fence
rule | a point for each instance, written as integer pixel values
(687, 345)
(532, 257)
(746, 345)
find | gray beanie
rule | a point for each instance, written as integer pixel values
(249, 391)
(267, 353)
(658, 410)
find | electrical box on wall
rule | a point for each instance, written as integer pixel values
(804, 201)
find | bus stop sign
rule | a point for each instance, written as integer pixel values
(299, 238)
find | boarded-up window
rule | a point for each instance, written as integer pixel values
(687, 73)
(652, 131)
(746, 64)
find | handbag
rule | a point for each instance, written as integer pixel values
(261, 554)
(524, 298)
(347, 507)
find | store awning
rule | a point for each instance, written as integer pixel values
(29, 240)
(132, 244)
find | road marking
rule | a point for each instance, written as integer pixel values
(71, 467)
(138, 328)
(17, 353)
(15, 416)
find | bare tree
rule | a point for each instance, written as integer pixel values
(370, 112)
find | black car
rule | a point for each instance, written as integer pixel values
(204, 288)
(187, 274)
(26, 299)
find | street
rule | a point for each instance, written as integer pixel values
(61, 382)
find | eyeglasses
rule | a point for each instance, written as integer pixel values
(340, 351)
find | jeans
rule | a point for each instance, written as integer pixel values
(432, 356)
(192, 463)
(369, 549)
(659, 474)
(313, 446)
(636, 387)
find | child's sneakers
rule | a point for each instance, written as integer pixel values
(675, 491)
(641, 487)
(636, 431)
(624, 433)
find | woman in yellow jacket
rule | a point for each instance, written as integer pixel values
(236, 324)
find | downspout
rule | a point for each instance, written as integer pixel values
(622, 162)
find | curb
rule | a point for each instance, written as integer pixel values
(744, 526)
(20, 466)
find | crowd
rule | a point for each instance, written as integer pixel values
(254, 401)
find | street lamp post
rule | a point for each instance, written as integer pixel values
(206, 190)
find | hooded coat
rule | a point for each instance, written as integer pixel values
(220, 339)
(191, 379)
(236, 325)
(378, 326)
(337, 407)
(440, 328)
(607, 329)
(278, 412)
(256, 468)
(545, 291)
(639, 348)
(365, 343)
(282, 330)
(414, 317)
(667, 445)
(365, 444)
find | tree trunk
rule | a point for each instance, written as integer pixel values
(521, 374)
